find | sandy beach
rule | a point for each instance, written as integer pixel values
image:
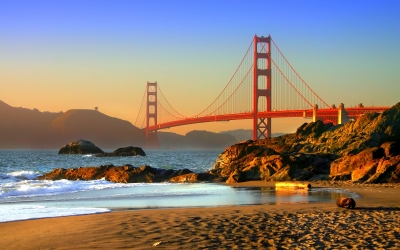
(374, 224)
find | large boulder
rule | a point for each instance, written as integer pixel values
(80, 147)
(127, 151)
(346, 202)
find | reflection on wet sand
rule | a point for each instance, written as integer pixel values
(284, 194)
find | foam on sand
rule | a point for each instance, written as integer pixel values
(25, 212)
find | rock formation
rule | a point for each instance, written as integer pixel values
(346, 202)
(123, 174)
(365, 150)
(127, 151)
(80, 147)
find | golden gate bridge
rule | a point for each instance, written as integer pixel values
(263, 86)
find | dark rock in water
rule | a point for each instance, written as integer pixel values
(80, 147)
(346, 202)
(128, 151)
(122, 174)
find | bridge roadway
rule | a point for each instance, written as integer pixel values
(322, 114)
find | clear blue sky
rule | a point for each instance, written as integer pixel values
(59, 55)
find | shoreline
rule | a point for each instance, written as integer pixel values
(374, 223)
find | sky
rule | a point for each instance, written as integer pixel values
(82, 54)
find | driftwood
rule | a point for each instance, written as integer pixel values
(295, 185)
(346, 202)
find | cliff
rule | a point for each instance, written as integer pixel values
(363, 150)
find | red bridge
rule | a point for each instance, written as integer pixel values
(264, 86)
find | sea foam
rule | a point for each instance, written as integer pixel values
(26, 212)
(31, 188)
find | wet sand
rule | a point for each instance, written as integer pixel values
(375, 223)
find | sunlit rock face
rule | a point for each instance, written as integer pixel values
(118, 174)
(365, 150)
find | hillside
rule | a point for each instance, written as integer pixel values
(31, 129)
(22, 128)
(245, 134)
(195, 139)
(94, 126)
(25, 128)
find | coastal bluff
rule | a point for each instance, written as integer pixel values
(366, 150)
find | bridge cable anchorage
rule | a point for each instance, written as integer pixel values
(298, 74)
(230, 80)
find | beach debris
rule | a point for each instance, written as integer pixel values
(300, 185)
(346, 202)
(157, 243)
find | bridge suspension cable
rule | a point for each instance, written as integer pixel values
(288, 91)
(295, 72)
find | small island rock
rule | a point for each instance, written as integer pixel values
(80, 147)
(127, 151)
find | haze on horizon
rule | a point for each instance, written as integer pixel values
(61, 55)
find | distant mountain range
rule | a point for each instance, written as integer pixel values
(22, 128)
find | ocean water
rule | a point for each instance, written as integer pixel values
(22, 197)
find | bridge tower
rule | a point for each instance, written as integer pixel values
(261, 85)
(151, 114)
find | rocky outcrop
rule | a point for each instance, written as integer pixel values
(193, 178)
(120, 174)
(372, 165)
(80, 147)
(127, 151)
(247, 161)
(365, 150)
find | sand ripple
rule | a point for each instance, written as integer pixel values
(346, 229)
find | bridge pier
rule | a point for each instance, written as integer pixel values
(151, 114)
(261, 86)
(314, 116)
(343, 116)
